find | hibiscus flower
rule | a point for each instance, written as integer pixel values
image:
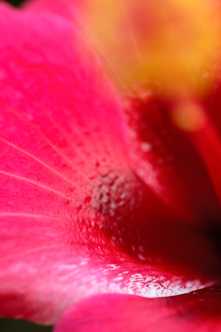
(105, 201)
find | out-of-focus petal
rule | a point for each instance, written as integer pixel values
(198, 311)
(213, 100)
(166, 159)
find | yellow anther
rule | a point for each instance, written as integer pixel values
(169, 42)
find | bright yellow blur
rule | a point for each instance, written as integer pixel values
(189, 116)
(168, 42)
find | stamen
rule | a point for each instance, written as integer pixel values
(192, 119)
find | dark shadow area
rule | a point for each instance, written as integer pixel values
(14, 2)
(14, 325)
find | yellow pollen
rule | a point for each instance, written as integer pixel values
(167, 42)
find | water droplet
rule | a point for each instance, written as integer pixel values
(105, 199)
(133, 248)
(141, 248)
(141, 257)
(146, 147)
(120, 240)
(113, 239)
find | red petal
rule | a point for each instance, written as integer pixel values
(212, 100)
(198, 311)
(166, 160)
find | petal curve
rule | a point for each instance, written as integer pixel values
(197, 311)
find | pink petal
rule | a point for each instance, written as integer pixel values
(75, 220)
(54, 171)
(198, 311)
(65, 8)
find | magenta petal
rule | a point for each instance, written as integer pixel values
(63, 172)
(53, 167)
(198, 311)
(65, 8)
(75, 220)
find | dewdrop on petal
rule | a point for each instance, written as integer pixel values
(168, 43)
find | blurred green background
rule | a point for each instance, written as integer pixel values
(12, 325)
